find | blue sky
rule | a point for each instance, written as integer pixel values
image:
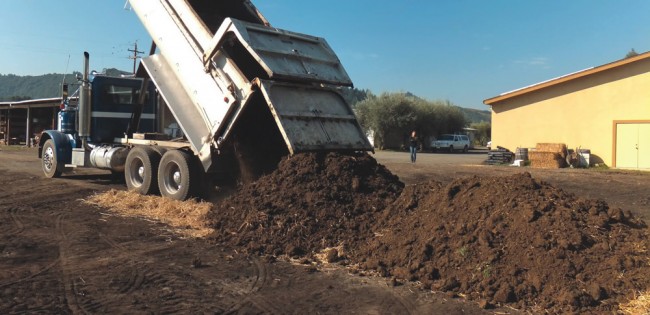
(463, 51)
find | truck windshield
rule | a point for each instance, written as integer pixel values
(447, 137)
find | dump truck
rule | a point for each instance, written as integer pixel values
(222, 95)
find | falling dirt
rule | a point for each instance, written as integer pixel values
(511, 240)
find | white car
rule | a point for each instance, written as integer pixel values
(451, 143)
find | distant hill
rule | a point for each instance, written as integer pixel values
(17, 88)
(477, 115)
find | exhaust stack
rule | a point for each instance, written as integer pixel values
(84, 100)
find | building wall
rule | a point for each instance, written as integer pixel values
(580, 112)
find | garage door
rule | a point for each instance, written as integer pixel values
(633, 146)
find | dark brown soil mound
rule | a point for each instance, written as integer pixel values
(512, 240)
(311, 202)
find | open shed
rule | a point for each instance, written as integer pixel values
(21, 122)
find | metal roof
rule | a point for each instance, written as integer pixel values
(41, 102)
(565, 78)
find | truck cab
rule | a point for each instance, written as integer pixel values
(113, 101)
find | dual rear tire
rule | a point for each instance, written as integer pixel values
(141, 170)
(172, 173)
(177, 175)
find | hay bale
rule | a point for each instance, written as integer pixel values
(552, 147)
(540, 159)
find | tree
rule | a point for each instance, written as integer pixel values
(483, 132)
(385, 115)
(631, 53)
(391, 117)
(354, 95)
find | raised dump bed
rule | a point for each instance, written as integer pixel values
(230, 79)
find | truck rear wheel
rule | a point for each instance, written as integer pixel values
(176, 175)
(51, 166)
(141, 170)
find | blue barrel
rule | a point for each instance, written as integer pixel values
(67, 121)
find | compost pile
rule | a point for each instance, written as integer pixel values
(501, 241)
(311, 202)
(512, 240)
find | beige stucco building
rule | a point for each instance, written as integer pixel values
(605, 109)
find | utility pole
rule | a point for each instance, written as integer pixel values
(135, 52)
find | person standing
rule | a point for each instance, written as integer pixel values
(413, 145)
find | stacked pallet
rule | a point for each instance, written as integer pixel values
(499, 156)
(548, 155)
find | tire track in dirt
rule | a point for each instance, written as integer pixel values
(19, 227)
(64, 247)
(261, 275)
(262, 280)
(136, 276)
(91, 290)
(47, 196)
(47, 268)
(76, 297)
(407, 307)
(53, 274)
(174, 295)
(45, 217)
(135, 280)
(31, 276)
(255, 297)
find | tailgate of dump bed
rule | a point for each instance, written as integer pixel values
(314, 119)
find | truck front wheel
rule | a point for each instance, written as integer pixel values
(141, 170)
(176, 175)
(51, 166)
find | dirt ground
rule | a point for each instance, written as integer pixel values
(60, 255)
(625, 189)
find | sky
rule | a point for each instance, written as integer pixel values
(462, 51)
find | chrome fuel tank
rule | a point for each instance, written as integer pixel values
(109, 158)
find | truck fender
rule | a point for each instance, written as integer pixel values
(61, 144)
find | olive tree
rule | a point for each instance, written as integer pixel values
(390, 113)
(483, 132)
(394, 115)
